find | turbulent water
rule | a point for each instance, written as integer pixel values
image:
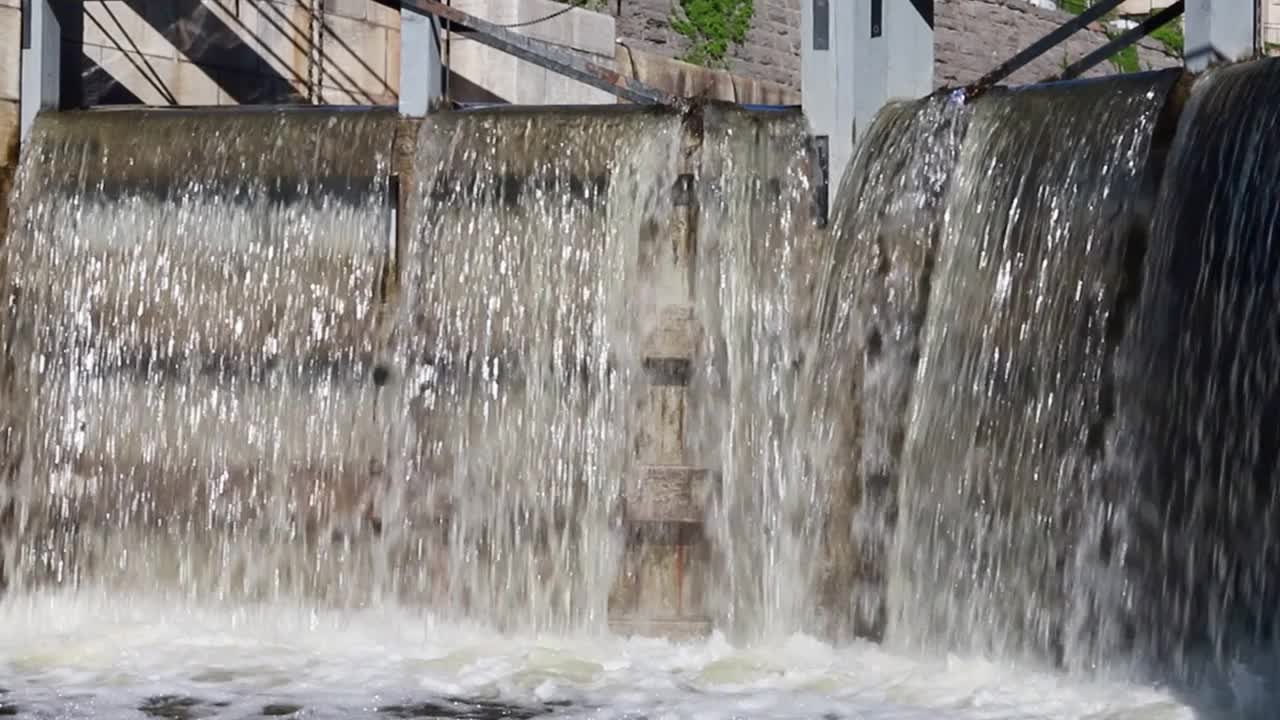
(194, 333)
(264, 455)
(1195, 441)
(68, 657)
(754, 278)
(523, 309)
(873, 297)
(1003, 523)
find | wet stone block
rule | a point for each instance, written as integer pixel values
(460, 709)
(668, 494)
(280, 709)
(672, 342)
(179, 707)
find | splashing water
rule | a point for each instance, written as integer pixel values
(194, 332)
(522, 298)
(263, 458)
(1194, 442)
(753, 279)
(873, 301)
(1002, 522)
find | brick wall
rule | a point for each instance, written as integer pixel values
(771, 51)
(972, 37)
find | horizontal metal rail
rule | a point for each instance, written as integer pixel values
(1044, 44)
(1124, 40)
(542, 54)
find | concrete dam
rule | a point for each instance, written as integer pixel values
(567, 412)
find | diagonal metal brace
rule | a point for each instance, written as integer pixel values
(1044, 44)
(1124, 40)
(543, 54)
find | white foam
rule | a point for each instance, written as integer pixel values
(71, 656)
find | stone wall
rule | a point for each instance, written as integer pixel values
(685, 80)
(974, 36)
(771, 51)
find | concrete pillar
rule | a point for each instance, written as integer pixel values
(421, 72)
(1219, 30)
(855, 56)
(41, 61)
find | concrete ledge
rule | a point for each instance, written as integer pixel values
(668, 495)
(686, 80)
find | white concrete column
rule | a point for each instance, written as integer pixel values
(41, 61)
(856, 55)
(421, 75)
(1218, 30)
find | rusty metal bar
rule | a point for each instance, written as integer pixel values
(1045, 44)
(1124, 40)
(543, 54)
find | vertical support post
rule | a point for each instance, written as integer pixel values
(41, 61)
(421, 70)
(856, 55)
(1219, 30)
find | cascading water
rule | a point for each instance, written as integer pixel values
(1003, 529)
(756, 245)
(864, 355)
(194, 334)
(522, 307)
(258, 451)
(1195, 445)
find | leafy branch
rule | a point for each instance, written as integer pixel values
(712, 26)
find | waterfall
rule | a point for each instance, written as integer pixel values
(194, 333)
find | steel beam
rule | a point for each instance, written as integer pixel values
(855, 56)
(1045, 44)
(541, 54)
(41, 61)
(422, 77)
(1124, 40)
(1220, 31)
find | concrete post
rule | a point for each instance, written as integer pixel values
(1219, 30)
(855, 56)
(41, 61)
(421, 71)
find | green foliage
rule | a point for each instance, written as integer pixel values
(1126, 61)
(712, 26)
(1075, 7)
(1171, 37)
